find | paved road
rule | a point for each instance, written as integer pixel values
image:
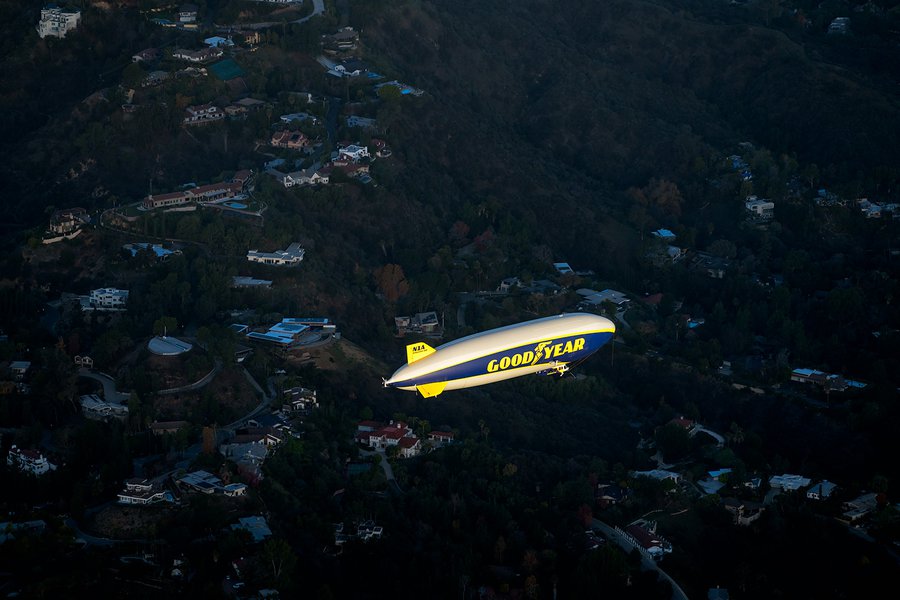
(318, 9)
(109, 386)
(197, 384)
(647, 564)
(386, 467)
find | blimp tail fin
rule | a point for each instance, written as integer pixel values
(431, 389)
(418, 351)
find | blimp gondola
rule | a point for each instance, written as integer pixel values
(547, 346)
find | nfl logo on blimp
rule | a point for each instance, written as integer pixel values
(544, 346)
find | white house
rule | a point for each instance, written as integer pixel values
(187, 13)
(354, 152)
(291, 256)
(763, 209)
(57, 22)
(596, 298)
(109, 298)
(199, 56)
(28, 461)
(203, 113)
(140, 492)
(441, 437)
(364, 122)
(659, 474)
(235, 489)
(788, 482)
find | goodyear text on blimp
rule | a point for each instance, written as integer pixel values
(543, 351)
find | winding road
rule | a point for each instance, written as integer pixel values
(647, 564)
(318, 9)
(109, 386)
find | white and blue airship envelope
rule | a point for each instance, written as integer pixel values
(546, 346)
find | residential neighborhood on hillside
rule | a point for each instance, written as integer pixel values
(484, 301)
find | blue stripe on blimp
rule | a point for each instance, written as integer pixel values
(565, 349)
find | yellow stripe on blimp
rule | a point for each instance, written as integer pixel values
(431, 389)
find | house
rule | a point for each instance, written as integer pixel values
(409, 446)
(312, 175)
(839, 26)
(57, 22)
(860, 506)
(763, 210)
(290, 256)
(63, 222)
(242, 177)
(344, 40)
(595, 298)
(108, 299)
(201, 481)
(509, 283)
(199, 56)
(363, 122)
(426, 323)
(717, 593)
(609, 494)
(683, 423)
(563, 268)
(300, 400)
(821, 490)
(294, 140)
(440, 438)
(202, 114)
(240, 281)
(743, 511)
(392, 434)
(187, 13)
(158, 250)
(643, 534)
(19, 368)
(204, 193)
(251, 104)
(94, 408)
(167, 427)
(218, 42)
(234, 490)
(257, 527)
(869, 210)
(299, 117)
(292, 332)
(713, 266)
(147, 55)
(788, 482)
(9, 530)
(664, 234)
(235, 112)
(141, 492)
(350, 67)
(155, 78)
(28, 461)
(353, 152)
(827, 381)
(659, 475)
(249, 457)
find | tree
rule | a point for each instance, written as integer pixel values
(391, 282)
(280, 561)
(165, 325)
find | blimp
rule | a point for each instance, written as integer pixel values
(547, 346)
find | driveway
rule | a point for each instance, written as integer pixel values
(109, 386)
(647, 564)
(386, 467)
